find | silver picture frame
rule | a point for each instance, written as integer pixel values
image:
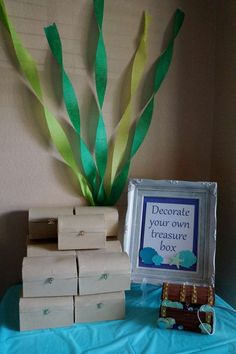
(170, 231)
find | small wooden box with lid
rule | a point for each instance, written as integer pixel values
(60, 283)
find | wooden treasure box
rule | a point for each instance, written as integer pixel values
(100, 307)
(81, 232)
(110, 214)
(187, 307)
(46, 312)
(49, 276)
(101, 272)
(43, 221)
(112, 245)
(39, 248)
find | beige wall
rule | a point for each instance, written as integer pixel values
(224, 148)
(178, 145)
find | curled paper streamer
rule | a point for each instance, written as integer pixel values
(30, 72)
(127, 143)
(143, 122)
(101, 60)
(71, 103)
(101, 145)
(122, 133)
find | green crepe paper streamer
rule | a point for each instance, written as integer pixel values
(143, 123)
(121, 179)
(123, 129)
(71, 103)
(101, 60)
(101, 146)
(29, 70)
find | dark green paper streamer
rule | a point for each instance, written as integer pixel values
(101, 146)
(143, 123)
(71, 103)
(101, 59)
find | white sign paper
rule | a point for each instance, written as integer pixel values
(169, 233)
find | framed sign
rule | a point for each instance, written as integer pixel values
(170, 232)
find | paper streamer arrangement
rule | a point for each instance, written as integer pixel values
(100, 183)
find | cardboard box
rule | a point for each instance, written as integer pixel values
(110, 214)
(101, 272)
(46, 312)
(99, 307)
(49, 276)
(81, 232)
(43, 221)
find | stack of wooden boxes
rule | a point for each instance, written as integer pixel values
(75, 270)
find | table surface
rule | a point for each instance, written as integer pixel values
(138, 333)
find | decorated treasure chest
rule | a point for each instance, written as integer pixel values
(188, 307)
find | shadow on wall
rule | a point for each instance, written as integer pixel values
(14, 228)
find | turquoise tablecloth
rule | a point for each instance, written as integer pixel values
(136, 334)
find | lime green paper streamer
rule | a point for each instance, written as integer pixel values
(71, 103)
(29, 69)
(122, 134)
(141, 128)
(101, 146)
(143, 123)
